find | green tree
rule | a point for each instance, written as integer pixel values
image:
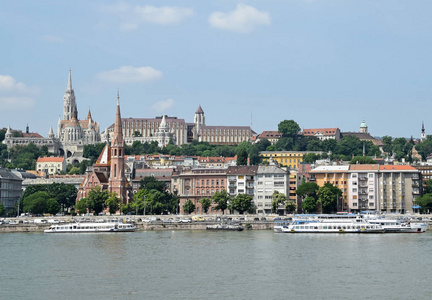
(52, 206)
(277, 198)
(189, 207)
(363, 160)
(36, 202)
(328, 196)
(221, 200)
(2, 209)
(309, 204)
(96, 199)
(113, 203)
(242, 203)
(151, 183)
(81, 206)
(205, 204)
(242, 157)
(308, 189)
(425, 203)
(290, 206)
(388, 144)
(289, 128)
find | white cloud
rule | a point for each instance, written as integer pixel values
(163, 105)
(243, 19)
(129, 74)
(131, 17)
(52, 39)
(15, 95)
(16, 103)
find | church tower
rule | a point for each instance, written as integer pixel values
(117, 181)
(363, 127)
(423, 133)
(69, 103)
(199, 121)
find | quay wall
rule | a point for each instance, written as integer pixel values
(142, 226)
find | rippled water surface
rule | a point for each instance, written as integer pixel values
(215, 265)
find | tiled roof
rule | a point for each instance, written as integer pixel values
(50, 159)
(324, 131)
(270, 134)
(32, 135)
(242, 170)
(364, 167)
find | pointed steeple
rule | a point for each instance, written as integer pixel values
(89, 116)
(69, 86)
(8, 133)
(423, 133)
(118, 128)
(69, 102)
(199, 110)
(50, 133)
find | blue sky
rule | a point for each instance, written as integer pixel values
(322, 63)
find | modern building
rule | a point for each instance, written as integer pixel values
(336, 175)
(241, 180)
(269, 179)
(10, 188)
(399, 186)
(363, 187)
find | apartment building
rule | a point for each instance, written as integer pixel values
(269, 179)
(363, 188)
(399, 186)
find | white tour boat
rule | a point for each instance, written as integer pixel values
(400, 226)
(332, 224)
(90, 227)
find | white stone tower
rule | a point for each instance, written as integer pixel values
(69, 103)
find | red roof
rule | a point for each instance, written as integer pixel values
(50, 159)
(324, 131)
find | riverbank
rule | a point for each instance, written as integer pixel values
(153, 226)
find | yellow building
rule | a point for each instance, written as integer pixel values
(289, 159)
(336, 175)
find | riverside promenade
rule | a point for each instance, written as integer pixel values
(142, 223)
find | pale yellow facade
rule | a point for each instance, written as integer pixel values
(290, 159)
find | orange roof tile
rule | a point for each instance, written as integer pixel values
(397, 167)
(50, 159)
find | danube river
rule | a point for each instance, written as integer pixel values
(215, 265)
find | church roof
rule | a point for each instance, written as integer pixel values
(105, 157)
(199, 110)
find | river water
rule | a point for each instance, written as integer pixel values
(215, 265)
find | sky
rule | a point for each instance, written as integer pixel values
(322, 63)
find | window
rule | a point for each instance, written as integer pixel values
(371, 176)
(222, 181)
(354, 190)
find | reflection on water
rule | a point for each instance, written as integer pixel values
(215, 265)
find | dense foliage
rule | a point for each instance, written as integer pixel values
(48, 198)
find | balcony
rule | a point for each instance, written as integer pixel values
(232, 186)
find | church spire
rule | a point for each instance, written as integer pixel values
(69, 86)
(118, 128)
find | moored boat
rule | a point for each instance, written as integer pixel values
(229, 227)
(400, 226)
(331, 224)
(90, 227)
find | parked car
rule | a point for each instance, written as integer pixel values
(186, 220)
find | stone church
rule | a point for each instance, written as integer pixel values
(72, 134)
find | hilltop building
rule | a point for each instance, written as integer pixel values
(72, 133)
(164, 128)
